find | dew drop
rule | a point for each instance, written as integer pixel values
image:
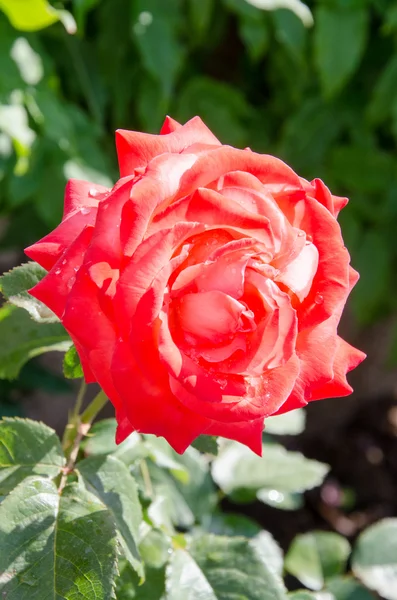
(64, 262)
(319, 299)
(221, 382)
(309, 239)
(57, 271)
(301, 233)
(71, 282)
(93, 193)
(85, 211)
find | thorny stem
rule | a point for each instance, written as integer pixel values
(77, 428)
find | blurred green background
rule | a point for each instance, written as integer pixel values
(314, 83)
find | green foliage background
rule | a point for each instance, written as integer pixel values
(322, 97)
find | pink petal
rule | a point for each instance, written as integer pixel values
(246, 432)
(169, 126)
(136, 149)
(209, 316)
(299, 273)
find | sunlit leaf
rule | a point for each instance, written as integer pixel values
(27, 448)
(66, 547)
(31, 15)
(214, 567)
(375, 558)
(22, 339)
(315, 557)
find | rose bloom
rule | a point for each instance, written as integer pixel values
(203, 292)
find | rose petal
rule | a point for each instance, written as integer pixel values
(209, 316)
(152, 409)
(80, 210)
(136, 149)
(299, 273)
(246, 432)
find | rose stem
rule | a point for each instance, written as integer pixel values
(77, 428)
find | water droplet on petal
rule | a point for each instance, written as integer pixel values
(85, 211)
(64, 262)
(71, 282)
(221, 382)
(318, 299)
(93, 193)
(57, 271)
(309, 239)
(301, 233)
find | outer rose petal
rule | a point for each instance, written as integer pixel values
(55, 287)
(346, 359)
(153, 410)
(135, 150)
(246, 432)
(81, 201)
(169, 126)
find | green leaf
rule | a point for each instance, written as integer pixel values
(31, 15)
(230, 524)
(337, 62)
(71, 364)
(27, 448)
(290, 31)
(207, 444)
(154, 546)
(237, 468)
(296, 6)
(200, 13)
(305, 595)
(290, 423)
(347, 588)
(14, 286)
(375, 558)
(316, 556)
(130, 588)
(282, 500)
(255, 35)
(156, 37)
(112, 482)
(268, 551)
(181, 501)
(384, 93)
(101, 440)
(221, 568)
(56, 545)
(81, 8)
(165, 457)
(22, 339)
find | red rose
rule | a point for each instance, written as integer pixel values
(203, 292)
